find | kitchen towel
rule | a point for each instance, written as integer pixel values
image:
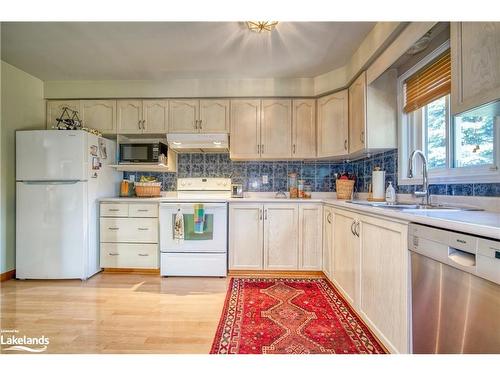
(199, 218)
(179, 226)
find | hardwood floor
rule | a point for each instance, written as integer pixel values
(116, 313)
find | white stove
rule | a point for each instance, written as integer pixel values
(203, 249)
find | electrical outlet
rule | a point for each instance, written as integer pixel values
(131, 178)
(265, 179)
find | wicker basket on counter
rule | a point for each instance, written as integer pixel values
(344, 188)
(147, 189)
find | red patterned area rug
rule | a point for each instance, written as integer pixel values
(289, 316)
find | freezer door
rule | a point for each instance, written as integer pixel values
(51, 230)
(51, 155)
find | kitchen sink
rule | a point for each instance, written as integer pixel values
(414, 207)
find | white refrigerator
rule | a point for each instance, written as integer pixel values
(60, 174)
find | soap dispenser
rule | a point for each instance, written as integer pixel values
(390, 194)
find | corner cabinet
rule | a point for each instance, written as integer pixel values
(373, 114)
(333, 124)
(275, 236)
(303, 128)
(475, 64)
(371, 270)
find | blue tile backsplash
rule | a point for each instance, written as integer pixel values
(318, 174)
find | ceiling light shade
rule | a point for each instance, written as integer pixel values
(260, 26)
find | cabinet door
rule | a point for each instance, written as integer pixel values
(276, 141)
(475, 56)
(245, 129)
(129, 116)
(304, 129)
(155, 116)
(346, 259)
(246, 236)
(384, 280)
(214, 116)
(328, 217)
(310, 236)
(357, 114)
(55, 109)
(99, 115)
(333, 122)
(281, 236)
(183, 116)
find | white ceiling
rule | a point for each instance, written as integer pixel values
(167, 50)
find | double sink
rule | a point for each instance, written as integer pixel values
(413, 207)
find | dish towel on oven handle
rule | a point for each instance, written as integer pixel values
(179, 226)
(199, 218)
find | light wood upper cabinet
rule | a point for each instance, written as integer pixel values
(184, 117)
(333, 123)
(99, 115)
(276, 129)
(245, 129)
(280, 236)
(328, 254)
(55, 109)
(357, 113)
(304, 128)
(384, 280)
(129, 116)
(475, 64)
(214, 116)
(310, 236)
(246, 236)
(346, 260)
(155, 116)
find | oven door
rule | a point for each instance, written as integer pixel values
(211, 237)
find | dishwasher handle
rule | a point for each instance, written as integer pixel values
(462, 258)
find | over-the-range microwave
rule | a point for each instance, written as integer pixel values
(142, 152)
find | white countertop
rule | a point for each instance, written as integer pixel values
(481, 223)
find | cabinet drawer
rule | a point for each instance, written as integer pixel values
(143, 210)
(129, 230)
(125, 255)
(114, 209)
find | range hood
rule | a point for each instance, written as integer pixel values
(188, 142)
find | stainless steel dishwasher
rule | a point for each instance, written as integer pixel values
(455, 282)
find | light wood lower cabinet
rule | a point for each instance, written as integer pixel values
(281, 236)
(246, 233)
(328, 255)
(275, 236)
(129, 235)
(370, 268)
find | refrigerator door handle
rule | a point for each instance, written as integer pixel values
(41, 182)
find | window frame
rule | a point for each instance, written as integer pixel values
(449, 174)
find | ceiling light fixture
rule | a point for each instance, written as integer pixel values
(260, 26)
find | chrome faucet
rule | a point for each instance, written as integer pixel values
(425, 181)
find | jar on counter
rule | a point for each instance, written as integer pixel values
(307, 191)
(292, 185)
(300, 188)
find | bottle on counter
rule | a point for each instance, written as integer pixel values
(300, 188)
(390, 194)
(292, 185)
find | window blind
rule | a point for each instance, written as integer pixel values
(428, 84)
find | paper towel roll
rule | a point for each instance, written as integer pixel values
(378, 185)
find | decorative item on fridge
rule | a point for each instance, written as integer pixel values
(378, 185)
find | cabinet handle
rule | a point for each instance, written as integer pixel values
(143, 210)
(113, 209)
(113, 254)
(345, 144)
(265, 214)
(143, 255)
(260, 213)
(142, 228)
(356, 228)
(143, 124)
(113, 228)
(352, 227)
(258, 149)
(362, 136)
(201, 127)
(329, 218)
(294, 148)
(139, 124)
(262, 149)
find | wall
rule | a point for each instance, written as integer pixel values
(320, 175)
(22, 107)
